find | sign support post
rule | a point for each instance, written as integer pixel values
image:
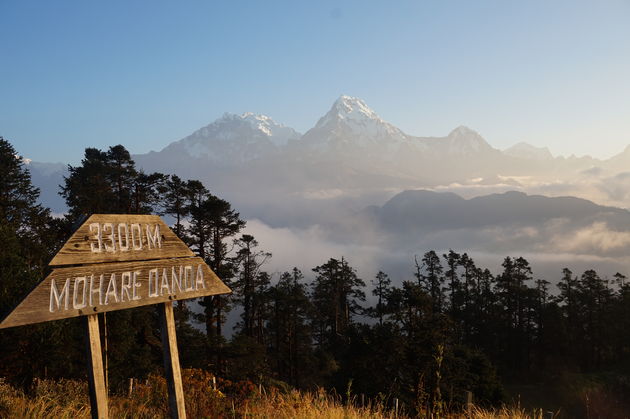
(115, 262)
(96, 377)
(171, 361)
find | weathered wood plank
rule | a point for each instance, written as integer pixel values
(119, 238)
(96, 377)
(171, 362)
(89, 289)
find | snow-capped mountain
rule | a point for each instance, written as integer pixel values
(235, 139)
(350, 148)
(350, 122)
(353, 154)
(350, 132)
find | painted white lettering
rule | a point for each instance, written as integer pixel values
(176, 280)
(188, 278)
(98, 246)
(98, 291)
(153, 283)
(112, 290)
(111, 237)
(136, 236)
(199, 278)
(56, 297)
(75, 303)
(154, 239)
(122, 227)
(125, 286)
(135, 285)
(165, 285)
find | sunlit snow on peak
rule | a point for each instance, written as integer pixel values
(350, 120)
(353, 108)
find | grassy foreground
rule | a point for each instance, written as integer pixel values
(69, 399)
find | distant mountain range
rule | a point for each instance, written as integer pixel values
(356, 184)
(353, 155)
(351, 159)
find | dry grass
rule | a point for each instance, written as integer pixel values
(68, 399)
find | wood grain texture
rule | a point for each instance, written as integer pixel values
(96, 376)
(171, 362)
(119, 238)
(66, 291)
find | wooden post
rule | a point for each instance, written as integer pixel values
(96, 377)
(171, 361)
(469, 403)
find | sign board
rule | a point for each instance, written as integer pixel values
(120, 238)
(89, 289)
(142, 262)
(115, 262)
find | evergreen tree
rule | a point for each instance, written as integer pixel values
(382, 290)
(174, 201)
(452, 260)
(29, 237)
(336, 296)
(290, 331)
(429, 276)
(108, 182)
(251, 285)
(593, 298)
(212, 223)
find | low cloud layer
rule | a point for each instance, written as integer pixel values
(548, 248)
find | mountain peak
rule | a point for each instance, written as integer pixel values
(236, 138)
(527, 151)
(464, 140)
(463, 130)
(248, 124)
(348, 107)
(351, 121)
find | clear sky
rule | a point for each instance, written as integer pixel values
(75, 74)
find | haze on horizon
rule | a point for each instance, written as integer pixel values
(79, 75)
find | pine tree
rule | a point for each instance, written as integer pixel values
(212, 223)
(108, 182)
(452, 260)
(174, 201)
(429, 276)
(251, 285)
(336, 296)
(382, 290)
(289, 329)
(29, 237)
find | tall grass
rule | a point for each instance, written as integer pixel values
(207, 397)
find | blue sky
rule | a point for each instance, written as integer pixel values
(75, 74)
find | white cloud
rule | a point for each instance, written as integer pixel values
(596, 238)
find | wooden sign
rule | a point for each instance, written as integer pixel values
(118, 238)
(120, 261)
(89, 289)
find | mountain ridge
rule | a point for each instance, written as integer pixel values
(351, 152)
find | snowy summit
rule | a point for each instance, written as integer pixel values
(236, 138)
(350, 120)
